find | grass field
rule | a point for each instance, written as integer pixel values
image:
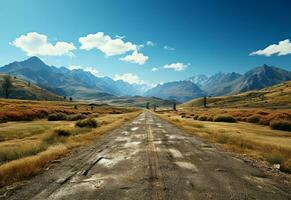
(277, 96)
(29, 141)
(259, 141)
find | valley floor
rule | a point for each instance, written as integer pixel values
(149, 158)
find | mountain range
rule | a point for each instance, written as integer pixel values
(76, 83)
(220, 84)
(233, 83)
(180, 91)
(81, 84)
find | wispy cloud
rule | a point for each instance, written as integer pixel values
(281, 49)
(150, 43)
(120, 36)
(176, 66)
(35, 44)
(169, 48)
(154, 69)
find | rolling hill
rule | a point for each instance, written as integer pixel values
(277, 96)
(22, 89)
(77, 83)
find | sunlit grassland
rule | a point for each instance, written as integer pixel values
(27, 156)
(29, 142)
(257, 141)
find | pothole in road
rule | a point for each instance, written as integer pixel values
(187, 165)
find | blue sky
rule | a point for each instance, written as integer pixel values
(202, 37)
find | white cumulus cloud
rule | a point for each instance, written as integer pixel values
(109, 46)
(129, 77)
(35, 44)
(176, 66)
(135, 57)
(169, 48)
(281, 49)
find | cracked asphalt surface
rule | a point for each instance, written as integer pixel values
(148, 158)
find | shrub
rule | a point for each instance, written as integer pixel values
(286, 166)
(89, 122)
(275, 158)
(210, 118)
(224, 118)
(57, 117)
(76, 117)
(8, 154)
(278, 124)
(203, 118)
(262, 113)
(63, 132)
(283, 116)
(256, 119)
(195, 117)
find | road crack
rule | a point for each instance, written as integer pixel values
(155, 178)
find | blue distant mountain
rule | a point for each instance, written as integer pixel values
(77, 83)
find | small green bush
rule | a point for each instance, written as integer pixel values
(224, 118)
(63, 132)
(57, 117)
(275, 158)
(256, 119)
(195, 117)
(286, 166)
(203, 118)
(210, 118)
(278, 124)
(89, 122)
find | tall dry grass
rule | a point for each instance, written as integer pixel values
(256, 141)
(24, 163)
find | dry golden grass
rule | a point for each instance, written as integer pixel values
(26, 167)
(26, 110)
(26, 154)
(277, 96)
(252, 115)
(255, 140)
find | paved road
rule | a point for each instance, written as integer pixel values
(151, 159)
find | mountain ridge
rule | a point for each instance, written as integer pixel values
(76, 83)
